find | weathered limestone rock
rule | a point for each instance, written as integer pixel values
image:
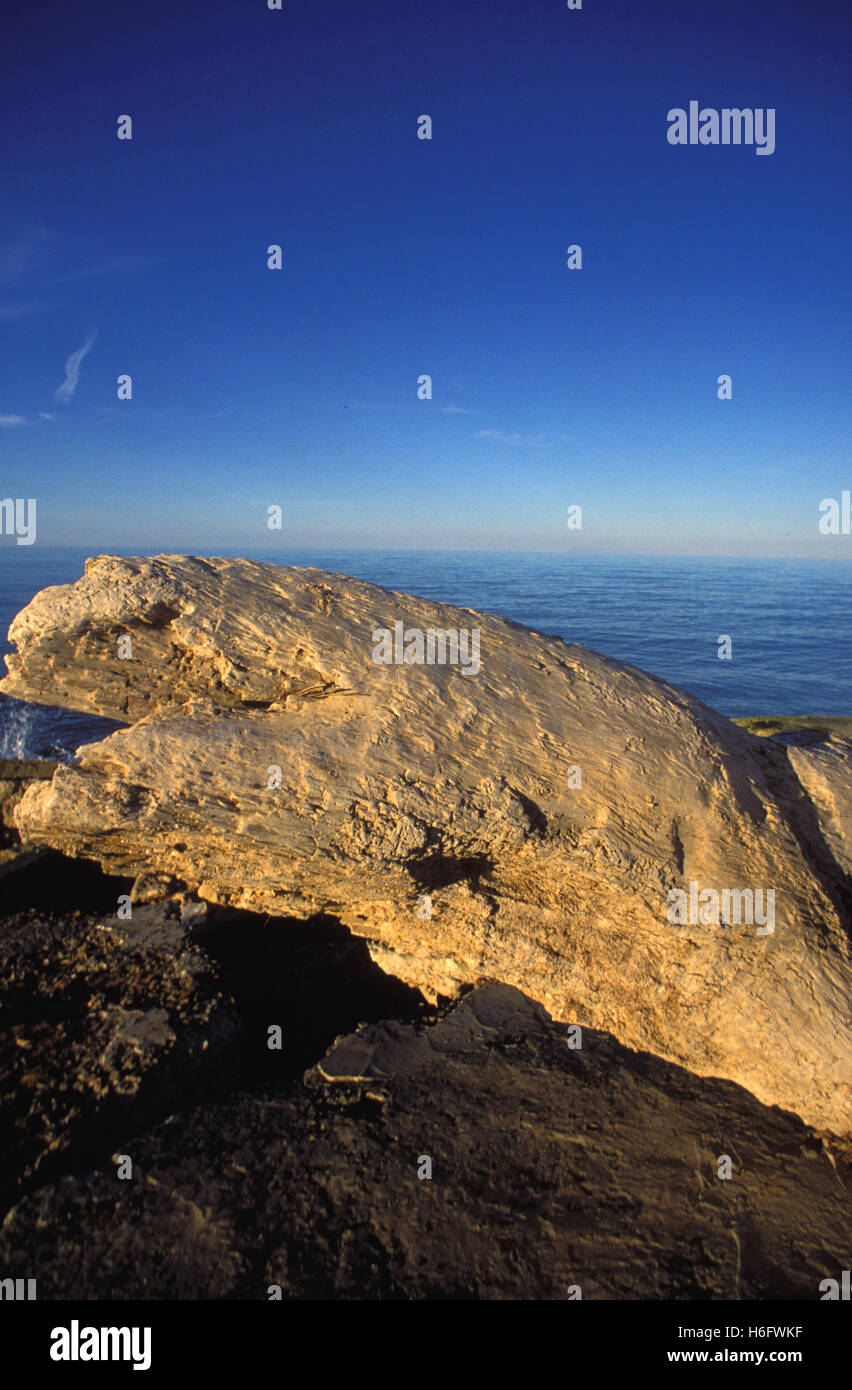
(825, 772)
(273, 765)
(16, 774)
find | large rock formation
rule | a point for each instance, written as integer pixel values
(529, 822)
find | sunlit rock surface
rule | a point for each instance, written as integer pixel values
(525, 823)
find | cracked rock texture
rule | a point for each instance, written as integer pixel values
(553, 1168)
(404, 790)
(105, 1025)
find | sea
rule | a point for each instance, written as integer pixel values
(788, 620)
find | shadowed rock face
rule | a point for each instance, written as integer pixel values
(106, 1025)
(553, 1169)
(406, 789)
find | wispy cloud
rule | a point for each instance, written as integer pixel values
(19, 308)
(524, 441)
(109, 267)
(14, 255)
(72, 370)
(454, 410)
(19, 258)
(46, 415)
(8, 421)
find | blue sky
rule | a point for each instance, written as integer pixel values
(551, 387)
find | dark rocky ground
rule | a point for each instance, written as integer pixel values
(552, 1167)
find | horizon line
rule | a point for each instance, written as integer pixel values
(153, 549)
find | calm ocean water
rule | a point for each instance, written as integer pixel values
(789, 620)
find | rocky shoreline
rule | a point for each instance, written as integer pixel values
(554, 1168)
(409, 1020)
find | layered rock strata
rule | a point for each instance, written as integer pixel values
(554, 819)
